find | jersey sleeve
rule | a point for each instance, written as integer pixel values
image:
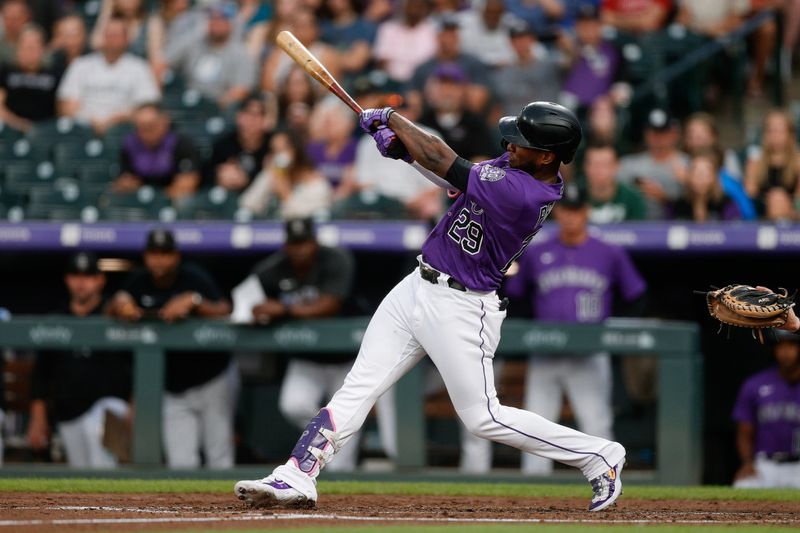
(498, 191)
(745, 408)
(629, 281)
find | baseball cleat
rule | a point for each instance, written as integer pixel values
(606, 488)
(272, 492)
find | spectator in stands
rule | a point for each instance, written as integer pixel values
(134, 14)
(200, 389)
(449, 114)
(701, 134)
(252, 23)
(660, 171)
(105, 87)
(703, 197)
(350, 34)
(574, 278)
(536, 72)
(712, 19)
(306, 280)
(69, 41)
(636, 17)
(767, 424)
(610, 201)
(283, 13)
(542, 16)
(154, 154)
(772, 174)
(449, 53)
(169, 26)
(396, 181)
(332, 146)
(296, 98)
(237, 157)
(15, 15)
(404, 43)
(28, 86)
(763, 44)
(484, 32)
(603, 125)
(288, 186)
(217, 65)
(278, 64)
(595, 67)
(75, 388)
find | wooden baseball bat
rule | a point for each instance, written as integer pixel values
(289, 44)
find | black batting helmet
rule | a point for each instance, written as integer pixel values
(544, 126)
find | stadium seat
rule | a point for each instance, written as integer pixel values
(95, 181)
(23, 150)
(23, 177)
(215, 203)
(188, 104)
(203, 132)
(369, 206)
(52, 132)
(144, 204)
(72, 157)
(59, 203)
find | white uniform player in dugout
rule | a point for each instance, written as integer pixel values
(448, 307)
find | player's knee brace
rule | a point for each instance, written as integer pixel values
(317, 444)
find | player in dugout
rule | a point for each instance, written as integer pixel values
(448, 306)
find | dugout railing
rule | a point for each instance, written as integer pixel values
(676, 345)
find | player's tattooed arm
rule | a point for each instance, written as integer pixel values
(427, 149)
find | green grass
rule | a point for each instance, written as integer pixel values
(400, 488)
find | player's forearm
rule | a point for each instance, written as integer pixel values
(427, 149)
(745, 436)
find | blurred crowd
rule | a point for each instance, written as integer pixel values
(173, 109)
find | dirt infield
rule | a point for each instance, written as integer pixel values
(175, 512)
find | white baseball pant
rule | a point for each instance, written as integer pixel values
(460, 332)
(771, 475)
(202, 416)
(308, 384)
(586, 382)
(83, 436)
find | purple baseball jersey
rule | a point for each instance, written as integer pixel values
(489, 225)
(772, 406)
(575, 283)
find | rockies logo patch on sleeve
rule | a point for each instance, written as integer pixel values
(490, 173)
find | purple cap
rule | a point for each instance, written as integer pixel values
(451, 72)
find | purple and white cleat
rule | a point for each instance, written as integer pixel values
(606, 488)
(283, 488)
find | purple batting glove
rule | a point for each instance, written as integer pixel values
(389, 145)
(371, 119)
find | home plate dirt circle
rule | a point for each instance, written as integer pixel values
(121, 512)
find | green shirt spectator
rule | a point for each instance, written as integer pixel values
(611, 200)
(626, 204)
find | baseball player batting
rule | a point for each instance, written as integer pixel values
(448, 307)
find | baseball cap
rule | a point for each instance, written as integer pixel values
(660, 120)
(83, 263)
(518, 28)
(574, 196)
(375, 81)
(451, 72)
(161, 240)
(587, 11)
(299, 230)
(226, 10)
(448, 21)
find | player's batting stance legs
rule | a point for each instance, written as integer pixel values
(448, 307)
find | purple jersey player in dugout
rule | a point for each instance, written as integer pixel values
(448, 309)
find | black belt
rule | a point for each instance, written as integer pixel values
(429, 274)
(782, 457)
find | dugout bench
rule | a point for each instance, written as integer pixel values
(676, 344)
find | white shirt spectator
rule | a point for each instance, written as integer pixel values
(104, 89)
(492, 47)
(388, 177)
(404, 48)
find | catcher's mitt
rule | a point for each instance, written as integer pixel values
(749, 307)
